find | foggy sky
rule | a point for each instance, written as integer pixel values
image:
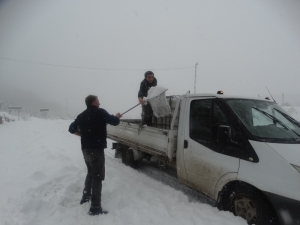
(104, 47)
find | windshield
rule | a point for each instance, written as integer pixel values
(266, 120)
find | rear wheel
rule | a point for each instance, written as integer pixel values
(245, 201)
(128, 159)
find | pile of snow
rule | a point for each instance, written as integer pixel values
(7, 117)
(156, 91)
(42, 175)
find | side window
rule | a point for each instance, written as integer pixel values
(200, 120)
(219, 118)
(206, 115)
(205, 118)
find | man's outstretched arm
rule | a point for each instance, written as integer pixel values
(73, 128)
(111, 119)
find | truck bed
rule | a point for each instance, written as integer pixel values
(147, 139)
(160, 139)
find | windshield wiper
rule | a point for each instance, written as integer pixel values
(275, 120)
(288, 117)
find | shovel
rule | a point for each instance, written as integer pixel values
(154, 95)
(130, 109)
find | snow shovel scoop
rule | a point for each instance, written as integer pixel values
(156, 98)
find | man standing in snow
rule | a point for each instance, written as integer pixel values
(91, 126)
(146, 84)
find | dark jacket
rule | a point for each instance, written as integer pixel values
(91, 124)
(145, 86)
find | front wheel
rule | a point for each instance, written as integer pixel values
(247, 202)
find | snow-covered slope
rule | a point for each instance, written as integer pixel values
(42, 174)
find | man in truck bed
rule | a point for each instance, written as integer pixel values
(146, 84)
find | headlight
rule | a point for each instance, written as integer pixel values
(296, 167)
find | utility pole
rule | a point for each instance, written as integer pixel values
(1, 104)
(195, 77)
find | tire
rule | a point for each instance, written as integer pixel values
(128, 159)
(247, 202)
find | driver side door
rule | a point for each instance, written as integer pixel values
(205, 160)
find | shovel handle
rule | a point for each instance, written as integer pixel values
(130, 109)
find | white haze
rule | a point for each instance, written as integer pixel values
(241, 46)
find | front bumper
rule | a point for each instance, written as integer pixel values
(287, 209)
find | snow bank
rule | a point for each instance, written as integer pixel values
(7, 117)
(42, 174)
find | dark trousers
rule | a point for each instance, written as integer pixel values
(95, 163)
(147, 115)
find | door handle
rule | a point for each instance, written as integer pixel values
(186, 144)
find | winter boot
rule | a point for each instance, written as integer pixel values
(85, 199)
(96, 211)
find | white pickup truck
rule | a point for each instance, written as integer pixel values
(244, 153)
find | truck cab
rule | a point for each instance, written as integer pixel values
(243, 153)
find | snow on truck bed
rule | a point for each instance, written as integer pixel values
(42, 174)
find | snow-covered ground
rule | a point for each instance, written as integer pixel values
(42, 174)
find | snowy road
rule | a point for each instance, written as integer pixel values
(169, 178)
(42, 173)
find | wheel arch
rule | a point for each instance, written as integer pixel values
(234, 183)
(223, 181)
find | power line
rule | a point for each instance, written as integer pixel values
(83, 67)
(287, 95)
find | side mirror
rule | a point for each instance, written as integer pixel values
(224, 135)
